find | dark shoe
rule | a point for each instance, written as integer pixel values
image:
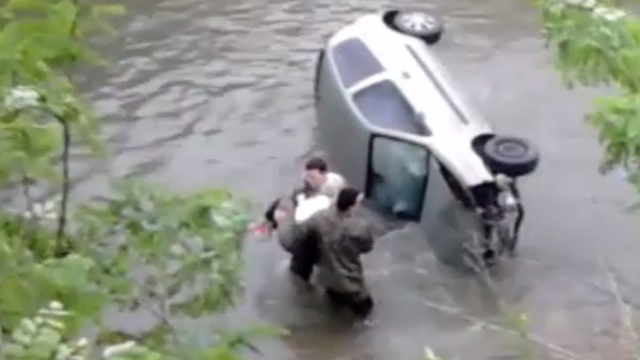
(490, 258)
(362, 308)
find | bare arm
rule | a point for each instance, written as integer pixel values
(268, 214)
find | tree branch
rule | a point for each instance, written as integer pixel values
(555, 349)
(2, 345)
(61, 248)
(626, 317)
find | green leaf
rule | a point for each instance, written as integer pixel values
(21, 5)
(189, 246)
(107, 9)
(69, 272)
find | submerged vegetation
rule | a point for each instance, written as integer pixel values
(176, 256)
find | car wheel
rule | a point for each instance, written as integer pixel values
(419, 24)
(511, 156)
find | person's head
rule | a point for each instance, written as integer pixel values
(315, 172)
(347, 199)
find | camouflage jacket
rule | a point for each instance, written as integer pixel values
(342, 239)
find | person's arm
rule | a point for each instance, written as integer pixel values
(269, 214)
(364, 237)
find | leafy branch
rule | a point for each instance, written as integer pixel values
(145, 246)
(598, 44)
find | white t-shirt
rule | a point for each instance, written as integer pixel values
(308, 206)
(332, 186)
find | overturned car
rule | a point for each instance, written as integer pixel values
(393, 123)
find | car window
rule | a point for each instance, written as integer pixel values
(398, 173)
(354, 62)
(384, 106)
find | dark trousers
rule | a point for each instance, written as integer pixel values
(360, 306)
(304, 259)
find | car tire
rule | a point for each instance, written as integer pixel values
(511, 156)
(418, 24)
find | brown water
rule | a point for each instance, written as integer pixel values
(207, 92)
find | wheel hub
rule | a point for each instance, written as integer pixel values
(417, 22)
(512, 150)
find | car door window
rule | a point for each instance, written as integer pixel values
(354, 62)
(397, 176)
(383, 105)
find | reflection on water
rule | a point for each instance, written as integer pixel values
(208, 93)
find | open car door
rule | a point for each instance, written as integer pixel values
(406, 183)
(397, 177)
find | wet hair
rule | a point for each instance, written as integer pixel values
(347, 198)
(269, 214)
(316, 163)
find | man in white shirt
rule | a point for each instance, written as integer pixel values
(318, 177)
(317, 180)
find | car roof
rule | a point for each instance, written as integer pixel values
(410, 64)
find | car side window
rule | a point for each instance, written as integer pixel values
(397, 176)
(354, 62)
(383, 105)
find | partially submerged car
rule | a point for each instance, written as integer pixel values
(393, 123)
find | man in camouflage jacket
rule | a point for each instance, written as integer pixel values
(342, 238)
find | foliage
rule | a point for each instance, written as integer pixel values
(43, 337)
(173, 255)
(186, 253)
(597, 44)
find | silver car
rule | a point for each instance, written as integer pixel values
(392, 121)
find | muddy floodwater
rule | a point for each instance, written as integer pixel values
(218, 92)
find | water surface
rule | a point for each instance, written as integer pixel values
(205, 93)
